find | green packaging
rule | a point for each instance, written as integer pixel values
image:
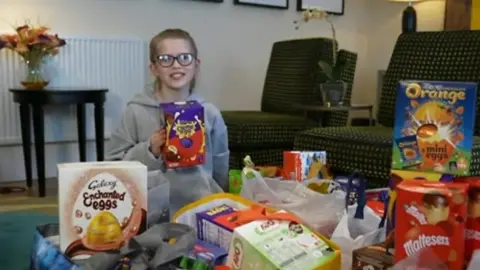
(235, 181)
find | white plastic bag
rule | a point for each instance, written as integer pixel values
(359, 226)
(158, 198)
(475, 261)
(320, 211)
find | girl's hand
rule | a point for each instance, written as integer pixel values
(157, 140)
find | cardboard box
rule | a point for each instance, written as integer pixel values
(101, 205)
(431, 215)
(283, 245)
(398, 176)
(301, 166)
(434, 124)
(375, 257)
(216, 225)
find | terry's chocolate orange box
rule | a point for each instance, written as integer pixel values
(431, 215)
(101, 205)
(185, 134)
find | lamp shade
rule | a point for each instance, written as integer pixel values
(411, 1)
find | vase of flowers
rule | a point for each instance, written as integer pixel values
(332, 88)
(33, 44)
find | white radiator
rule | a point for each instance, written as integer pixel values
(117, 64)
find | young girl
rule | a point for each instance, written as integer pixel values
(141, 135)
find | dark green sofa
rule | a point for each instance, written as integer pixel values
(290, 78)
(446, 55)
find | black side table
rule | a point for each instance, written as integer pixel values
(340, 108)
(53, 96)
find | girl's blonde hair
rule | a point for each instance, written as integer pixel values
(173, 33)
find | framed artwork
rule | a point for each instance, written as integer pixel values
(211, 1)
(458, 15)
(336, 7)
(278, 4)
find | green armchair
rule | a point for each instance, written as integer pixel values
(446, 56)
(290, 78)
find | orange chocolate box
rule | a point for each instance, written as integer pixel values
(431, 215)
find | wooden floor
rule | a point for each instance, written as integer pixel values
(29, 200)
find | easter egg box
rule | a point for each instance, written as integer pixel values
(434, 125)
(185, 134)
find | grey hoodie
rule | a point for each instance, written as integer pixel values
(130, 141)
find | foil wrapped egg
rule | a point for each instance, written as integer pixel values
(103, 230)
(427, 130)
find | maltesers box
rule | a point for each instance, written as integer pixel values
(398, 176)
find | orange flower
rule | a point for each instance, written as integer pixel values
(21, 48)
(23, 31)
(32, 42)
(53, 40)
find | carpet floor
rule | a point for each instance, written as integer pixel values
(19, 216)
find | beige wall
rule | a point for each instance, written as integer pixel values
(385, 25)
(234, 41)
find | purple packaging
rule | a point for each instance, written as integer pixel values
(214, 254)
(185, 134)
(216, 225)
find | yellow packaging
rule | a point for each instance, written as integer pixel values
(187, 215)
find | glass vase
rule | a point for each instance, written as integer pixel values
(33, 78)
(333, 93)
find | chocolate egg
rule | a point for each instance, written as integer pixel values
(427, 131)
(104, 229)
(186, 142)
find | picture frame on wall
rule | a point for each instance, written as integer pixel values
(277, 4)
(336, 7)
(211, 1)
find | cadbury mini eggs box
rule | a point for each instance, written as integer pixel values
(101, 205)
(185, 134)
(434, 123)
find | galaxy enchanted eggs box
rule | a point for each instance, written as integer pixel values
(101, 205)
(185, 134)
(434, 124)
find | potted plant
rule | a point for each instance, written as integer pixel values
(332, 88)
(33, 44)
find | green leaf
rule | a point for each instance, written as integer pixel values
(250, 175)
(327, 69)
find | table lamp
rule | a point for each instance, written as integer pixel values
(409, 18)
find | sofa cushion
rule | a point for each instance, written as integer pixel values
(364, 149)
(263, 130)
(262, 157)
(434, 56)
